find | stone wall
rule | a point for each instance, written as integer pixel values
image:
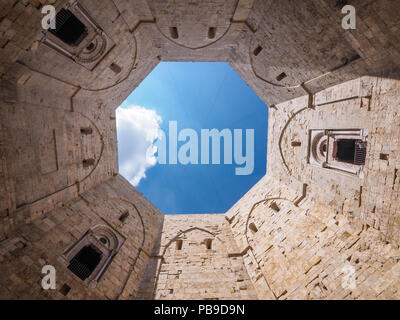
(197, 258)
(308, 250)
(366, 103)
(326, 221)
(304, 43)
(43, 241)
(296, 230)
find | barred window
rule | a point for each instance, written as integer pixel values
(68, 28)
(89, 257)
(84, 263)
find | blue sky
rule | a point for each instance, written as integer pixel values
(199, 96)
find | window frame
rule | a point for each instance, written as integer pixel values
(80, 54)
(92, 238)
(330, 137)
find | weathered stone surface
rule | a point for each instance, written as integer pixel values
(294, 235)
(197, 257)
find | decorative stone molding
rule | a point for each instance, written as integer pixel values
(103, 239)
(90, 48)
(324, 148)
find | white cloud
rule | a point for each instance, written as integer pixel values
(137, 128)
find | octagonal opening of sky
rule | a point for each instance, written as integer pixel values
(192, 137)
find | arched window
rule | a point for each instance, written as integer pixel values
(85, 261)
(78, 37)
(89, 257)
(68, 28)
(344, 149)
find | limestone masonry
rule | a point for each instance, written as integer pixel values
(323, 223)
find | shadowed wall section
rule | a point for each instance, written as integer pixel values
(197, 258)
(46, 240)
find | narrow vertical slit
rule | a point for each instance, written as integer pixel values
(174, 32)
(257, 50)
(211, 32)
(394, 178)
